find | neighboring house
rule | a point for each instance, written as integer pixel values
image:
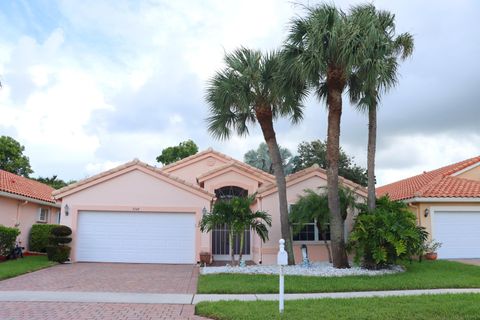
(24, 202)
(140, 213)
(446, 202)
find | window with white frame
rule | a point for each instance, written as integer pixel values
(43, 215)
(309, 231)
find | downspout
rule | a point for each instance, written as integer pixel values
(17, 218)
(417, 212)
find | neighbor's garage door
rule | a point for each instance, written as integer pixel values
(136, 237)
(459, 231)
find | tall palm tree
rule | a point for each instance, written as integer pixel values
(376, 75)
(250, 89)
(246, 219)
(323, 48)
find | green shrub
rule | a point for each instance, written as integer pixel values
(39, 237)
(58, 253)
(8, 236)
(385, 235)
(57, 250)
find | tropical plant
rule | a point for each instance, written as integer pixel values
(176, 153)
(323, 49)
(315, 152)
(376, 74)
(260, 159)
(383, 236)
(237, 215)
(246, 219)
(313, 206)
(431, 246)
(252, 88)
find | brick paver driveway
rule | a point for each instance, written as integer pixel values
(102, 277)
(109, 277)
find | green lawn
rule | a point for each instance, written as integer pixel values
(13, 268)
(451, 306)
(424, 275)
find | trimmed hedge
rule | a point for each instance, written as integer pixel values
(57, 250)
(8, 236)
(40, 237)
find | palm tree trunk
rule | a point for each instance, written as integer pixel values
(336, 83)
(232, 253)
(265, 119)
(372, 146)
(242, 239)
(325, 241)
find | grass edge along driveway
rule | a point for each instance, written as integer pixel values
(13, 268)
(431, 307)
(418, 275)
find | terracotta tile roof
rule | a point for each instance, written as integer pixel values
(435, 183)
(315, 168)
(125, 166)
(11, 183)
(228, 159)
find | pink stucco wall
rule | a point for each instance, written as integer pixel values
(267, 252)
(139, 190)
(21, 214)
(232, 178)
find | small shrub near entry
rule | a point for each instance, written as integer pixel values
(381, 237)
(39, 237)
(8, 236)
(57, 250)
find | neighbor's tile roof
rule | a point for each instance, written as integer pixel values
(436, 183)
(11, 183)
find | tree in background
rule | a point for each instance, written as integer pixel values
(260, 158)
(12, 158)
(252, 89)
(54, 182)
(315, 151)
(173, 154)
(376, 75)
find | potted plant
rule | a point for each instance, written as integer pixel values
(430, 248)
(205, 258)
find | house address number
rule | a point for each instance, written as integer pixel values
(135, 209)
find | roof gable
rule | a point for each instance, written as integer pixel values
(441, 182)
(219, 156)
(127, 167)
(14, 184)
(307, 173)
(233, 166)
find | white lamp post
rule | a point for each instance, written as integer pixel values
(282, 260)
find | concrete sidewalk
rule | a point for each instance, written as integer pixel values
(187, 299)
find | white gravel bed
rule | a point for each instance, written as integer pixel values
(321, 269)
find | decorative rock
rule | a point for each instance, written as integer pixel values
(320, 269)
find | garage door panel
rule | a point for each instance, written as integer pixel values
(459, 233)
(136, 237)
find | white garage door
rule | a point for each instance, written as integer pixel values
(136, 237)
(459, 231)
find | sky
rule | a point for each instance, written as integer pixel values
(91, 84)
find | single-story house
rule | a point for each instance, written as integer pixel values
(143, 214)
(24, 202)
(446, 202)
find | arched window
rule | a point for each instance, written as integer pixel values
(229, 192)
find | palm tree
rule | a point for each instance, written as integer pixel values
(250, 89)
(222, 214)
(376, 75)
(323, 48)
(313, 206)
(246, 219)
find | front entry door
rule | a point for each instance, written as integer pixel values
(221, 244)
